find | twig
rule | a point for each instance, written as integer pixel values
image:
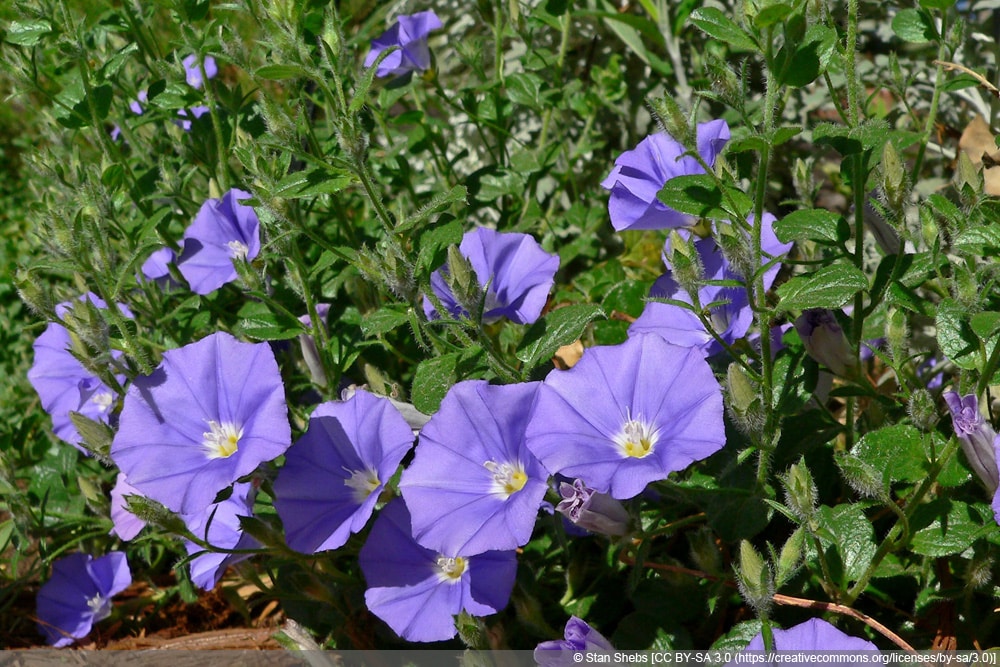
(983, 81)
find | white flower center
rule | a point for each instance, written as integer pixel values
(637, 438)
(99, 606)
(102, 400)
(363, 483)
(508, 478)
(450, 569)
(221, 440)
(238, 249)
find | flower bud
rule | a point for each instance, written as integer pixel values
(754, 579)
(976, 436)
(593, 511)
(800, 490)
(922, 410)
(897, 333)
(307, 343)
(791, 555)
(825, 342)
(744, 402)
(674, 120)
(684, 262)
(704, 550)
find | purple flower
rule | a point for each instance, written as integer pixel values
(79, 594)
(473, 486)
(223, 232)
(307, 343)
(825, 341)
(126, 525)
(63, 384)
(157, 267)
(593, 511)
(976, 436)
(640, 173)
(628, 415)
(513, 269)
(579, 636)
(196, 112)
(334, 474)
(219, 525)
(135, 105)
(417, 591)
(192, 71)
(210, 414)
(731, 319)
(409, 34)
(813, 635)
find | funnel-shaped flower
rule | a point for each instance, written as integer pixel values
(63, 384)
(628, 415)
(409, 34)
(333, 474)
(513, 269)
(593, 511)
(192, 70)
(473, 486)
(976, 436)
(219, 526)
(209, 414)
(579, 636)
(79, 594)
(640, 173)
(813, 635)
(126, 525)
(417, 591)
(224, 231)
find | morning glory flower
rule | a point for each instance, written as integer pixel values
(813, 635)
(409, 34)
(126, 525)
(976, 436)
(157, 267)
(579, 636)
(592, 511)
(417, 591)
(224, 231)
(731, 319)
(209, 414)
(78, 594)
(63, 384)
(627, 415)
(196, 112)
(640, 173)
(192, 72)
(473, 486)
(513, 269)
(219, 525)
(334, 474)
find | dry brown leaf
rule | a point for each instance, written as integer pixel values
(978, 142)
(567, 355)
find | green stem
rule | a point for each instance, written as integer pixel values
(935, 100)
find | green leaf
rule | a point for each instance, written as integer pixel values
(897, 451)
(847, 529)
(985, 325)
(278, 72)
(257, 321)
(434, 244)
(868, 136)
(525, 89)
(699, 195)
(384, 320)
(955, 336)
(914, 26)
(715, 23)
(830, 287)
(945, 527)
(315, 181)
(783, 134)
(772, 14)
(27, 33)
(937, 4)
(440, 202)
(557, 328)
(979, 240)
(432, 380)
(812, 225)
(117, 61)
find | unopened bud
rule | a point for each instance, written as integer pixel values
(922, 410)
(863, 477)
(155, 514)
(684, 262)
(754, 579)
(800, 490)
(744, 402)
(704, 550)
(825, 342)
(976, 436)
(472, 631)
(30, 289)
(591, 510)
(96, 436)
(674, 120)
(791, 555)
(310, 352)
(894, 179)
(897, 334)
(735, 248)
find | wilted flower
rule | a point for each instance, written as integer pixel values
(579, 636)
(209, 414)
(219, 526)
(825, 341)
(640, 173)
(334, 474)
(307, 343)
(813, 635)
(473, 486)
(157, 266)
(192, 71)
(593, 511)
(223, 231)
(126, 525)
(409, 34)
(731, 318)
(79, 594)
(628, 415)
(513, 269)
(196, 112)
(976, 436)
(417, 592)
(63, 384)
